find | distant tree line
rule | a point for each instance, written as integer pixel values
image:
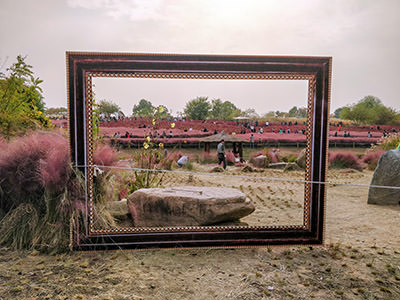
(199, 108)
(369, 110)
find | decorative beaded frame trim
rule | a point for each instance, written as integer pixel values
(83, 67)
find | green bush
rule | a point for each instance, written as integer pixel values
(189, 166)
(389, 142)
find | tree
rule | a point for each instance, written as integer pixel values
(386, 115)
(107, 108)
(338, 112)
(293, 112)
(223, 110)
(369, 110)
(56, 111)
(21, 101)
(269, 114)
(197, 109)
(301, 112)
(144, 108)
(163, 112)
(297, 112)
(280, 114)
(250, 113)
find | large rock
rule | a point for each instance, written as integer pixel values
(292, 167)
(387, 173)
(188, 205)
(260, 161)
(301, 159)
(278, 165)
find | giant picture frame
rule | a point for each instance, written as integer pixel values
(82, 67)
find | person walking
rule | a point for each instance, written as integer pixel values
(221, 153)
(252, 141)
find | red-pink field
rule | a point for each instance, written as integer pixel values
(191, 131)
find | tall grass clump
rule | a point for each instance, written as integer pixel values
(151, 160)
(189, 166)
(104, 155)
(171, 160)
(372, 158)
(230, 158)
(389, 142)
(209, 158)
(289, 157)
(29, 166)
(103, 184)
(274, 156)
(344, 160)
(39, 192)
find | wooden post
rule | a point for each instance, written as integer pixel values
(206, 147)
(241, 151)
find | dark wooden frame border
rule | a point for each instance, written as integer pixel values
(81, 66)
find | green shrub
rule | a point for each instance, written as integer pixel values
(389, 142)
(189, 166)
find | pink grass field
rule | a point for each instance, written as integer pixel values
(182, 134)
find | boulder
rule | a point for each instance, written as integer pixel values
(260, 161)
(387, 173)
(301, 159)
(292, 167)
(187, 206)
(278, 165)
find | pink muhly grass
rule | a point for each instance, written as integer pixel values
(274, 156)
(54, 168)
(230, 158)
(31, 165)
(174, 156)
(209, 158)
(344, 160)
(123, 194)
(104, 155)
(372, 158)
(79, 205)
(19, 166)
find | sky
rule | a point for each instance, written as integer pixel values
(261, 95)
(362, 36)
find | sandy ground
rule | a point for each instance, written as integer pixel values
(360, 259)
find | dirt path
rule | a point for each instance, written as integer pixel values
(361, 260)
